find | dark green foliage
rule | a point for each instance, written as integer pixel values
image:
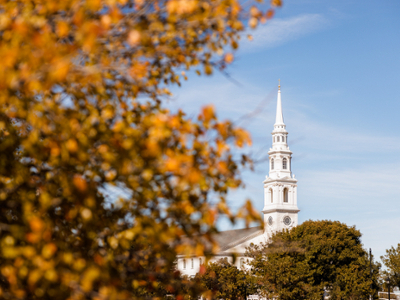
(392, 262)
(221, 280)
(313, 257)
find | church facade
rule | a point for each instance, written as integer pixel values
(280, 205)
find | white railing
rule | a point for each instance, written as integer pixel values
(385, 295)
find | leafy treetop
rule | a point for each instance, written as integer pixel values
(222, 280)
(392, 263)
(313, 258)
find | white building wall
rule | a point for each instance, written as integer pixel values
(240, 250)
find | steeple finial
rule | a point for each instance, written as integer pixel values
(279, 85)
(279, 115)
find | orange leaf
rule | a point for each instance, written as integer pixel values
(62, 29)
(208, 113)
(269, 14)
(276, 2)
(36, 224)
(80, 183)
(229, 58)
(72, 145)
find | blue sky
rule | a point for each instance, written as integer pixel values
(339, 65)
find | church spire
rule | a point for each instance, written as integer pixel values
(280, 186)
(279, 134)
(279, 115)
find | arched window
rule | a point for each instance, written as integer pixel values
(184, 263)
(192, 263)
(272, 164)
(284, 163)
(278, 138)
(272, 195)
(283, 139)
(285, 195)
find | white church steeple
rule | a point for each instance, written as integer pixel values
(280, 187)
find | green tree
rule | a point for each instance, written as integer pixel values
(392, 263)
(222, 280)
(311, 258)
(82, 86)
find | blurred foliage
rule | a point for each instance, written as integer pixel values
(392, 263)
(314, 257)
(82, 85)
(222, 280)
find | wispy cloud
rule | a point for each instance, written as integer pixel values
(367, 197)
(325, 138)
(364, 184)
(280, 31)
(231, 101)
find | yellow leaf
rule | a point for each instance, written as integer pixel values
(93, 4)
(89, 276)
(105, 21)
(133, 37)
(208, 69)
(49, 250)
(86, 214)
(181, 6)
(253, 22)
(254, 12)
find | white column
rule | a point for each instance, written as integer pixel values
(266, 192)
(274, 193)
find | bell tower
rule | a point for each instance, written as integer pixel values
(280, 187)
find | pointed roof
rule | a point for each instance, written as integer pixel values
(279, 114)
(231, 238)
(228, 239)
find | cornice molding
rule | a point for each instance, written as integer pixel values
(281, 210)
(279, 180)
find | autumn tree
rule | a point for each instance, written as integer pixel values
(222, 280)
(392, 263)
(98, 180)
(313, 258)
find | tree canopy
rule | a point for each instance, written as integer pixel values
(222, 280)
(82, 85)
(392, 263)
(311, 258)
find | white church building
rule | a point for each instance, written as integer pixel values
(280, 205)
